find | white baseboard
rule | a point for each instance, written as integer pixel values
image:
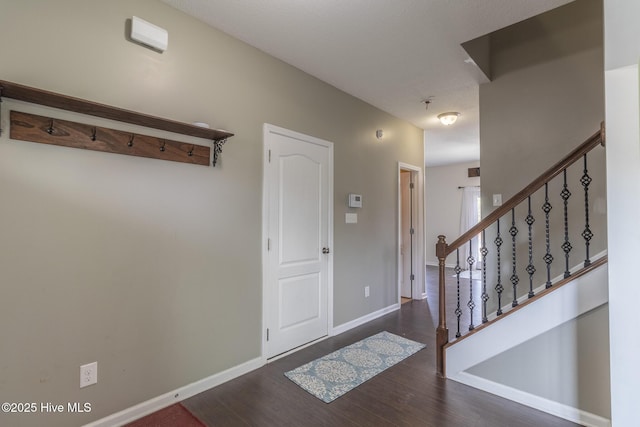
(152, 405)
(549, 406)
(364, 319)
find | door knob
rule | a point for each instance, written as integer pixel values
(325, 250)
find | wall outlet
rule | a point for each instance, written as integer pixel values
(366, 292)
(88, 374)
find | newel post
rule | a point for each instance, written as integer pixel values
(442, 333)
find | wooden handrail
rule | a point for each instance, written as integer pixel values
(597, 138)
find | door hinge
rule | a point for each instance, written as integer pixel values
(411, 185)
(268, 244)
(267, 334)
(269, 156)
(411, 231)
(412, 277)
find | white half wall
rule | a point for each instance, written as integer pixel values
(551, 355)
(570, 301)
(623, 180)
(622, 50)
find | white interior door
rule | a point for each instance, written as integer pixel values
(299, 191)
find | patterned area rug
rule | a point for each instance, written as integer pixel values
(331, 376)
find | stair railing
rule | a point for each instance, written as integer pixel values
(443, 249)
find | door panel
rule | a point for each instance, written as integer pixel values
(300, 204)
(299, 300)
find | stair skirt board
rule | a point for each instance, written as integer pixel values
(545, 405)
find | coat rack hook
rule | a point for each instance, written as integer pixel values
(190, 153)
(50, 129)
(130, 143)
(93, 133)
(163, 144)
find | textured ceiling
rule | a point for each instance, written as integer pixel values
(392, 54)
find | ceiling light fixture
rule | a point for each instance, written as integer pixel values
(449, 118)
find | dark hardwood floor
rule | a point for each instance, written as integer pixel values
(407, 394)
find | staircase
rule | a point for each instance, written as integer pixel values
(525, 277)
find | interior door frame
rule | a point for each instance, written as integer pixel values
(417, 291)
(268, 129)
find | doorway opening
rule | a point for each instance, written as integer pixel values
(410, 234)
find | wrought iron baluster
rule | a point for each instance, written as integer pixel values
(566, 246)
(587, 234)
(530, 268)
(485, 297)
(471, 304)
(548, 258)
(514, 274)
(458, 270)
(499, 288)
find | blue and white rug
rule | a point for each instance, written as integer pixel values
(331, 376)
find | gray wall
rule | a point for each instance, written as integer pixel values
(546, 98)
(153, 268)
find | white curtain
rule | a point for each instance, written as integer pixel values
(470, 216)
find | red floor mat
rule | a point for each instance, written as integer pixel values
(172, 416)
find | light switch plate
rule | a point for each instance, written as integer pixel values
(497, 200)
(351, 218)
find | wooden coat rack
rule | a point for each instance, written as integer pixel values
(47, 130)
